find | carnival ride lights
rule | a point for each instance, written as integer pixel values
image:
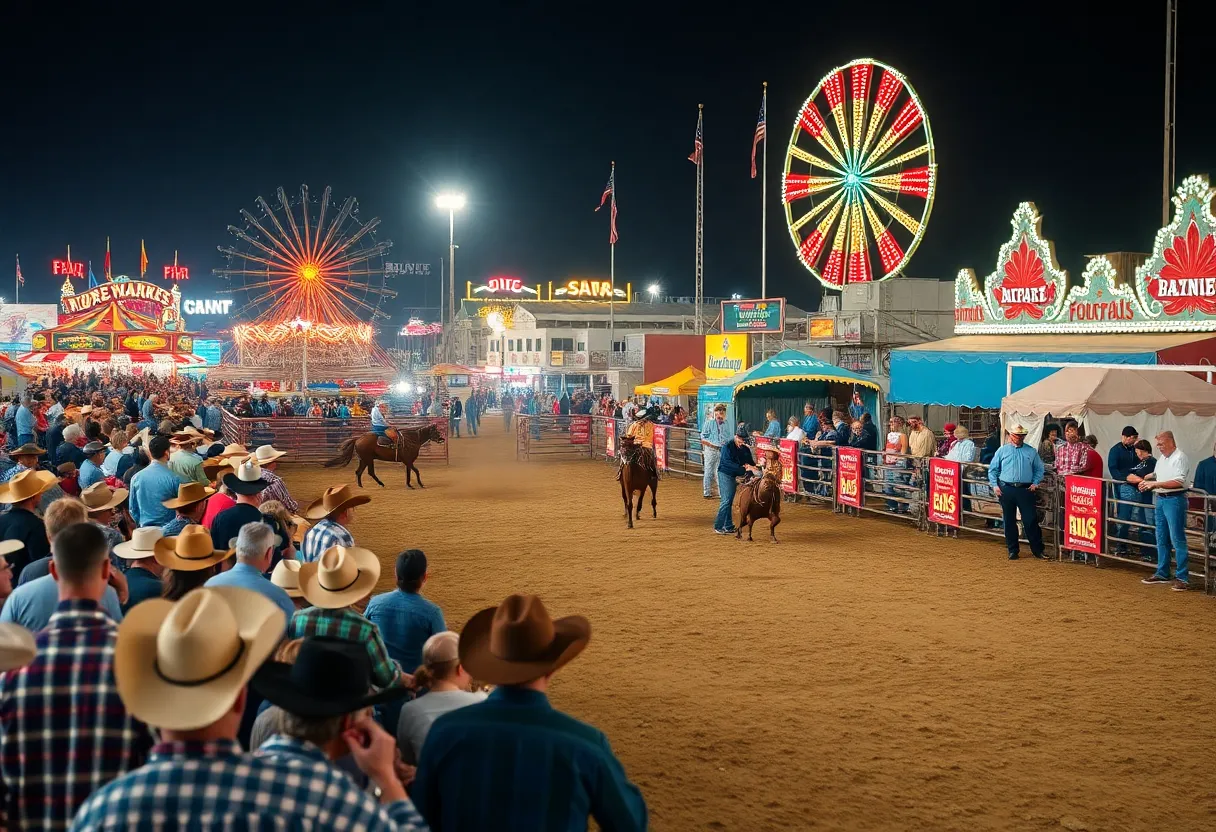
(870, 203)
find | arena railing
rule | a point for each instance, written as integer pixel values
(1125, 517)
(315, 439)
(981, 511)
(552, 437)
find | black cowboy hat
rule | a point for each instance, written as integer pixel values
(330, 677)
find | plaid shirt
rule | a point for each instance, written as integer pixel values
(277, 490)
(64, 733)
(174, 527)
(210, 785)
(322, 536)
(1070, 457)
(348, 625)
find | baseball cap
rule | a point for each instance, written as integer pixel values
(1130, 431)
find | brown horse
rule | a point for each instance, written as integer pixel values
(757, 499)
(406, 444)
(636, 478)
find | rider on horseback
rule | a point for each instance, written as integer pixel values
(642, 431)
(386, 434)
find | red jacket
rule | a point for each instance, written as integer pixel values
(1093, 464)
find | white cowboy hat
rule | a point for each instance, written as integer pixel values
(340, 577)
(286, 576)
(182, 665)
(246, 479)
(141, 545)
(234, 450)
(189, 551)
(28, 483)
(17, 647)
(7, 547)
(267, 453)
(100, 497)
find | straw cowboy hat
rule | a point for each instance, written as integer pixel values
(299, 528)
(286, 576)
(7, 547)
(334, 500)
(86, 410)
(234, 450)
(246, 479)
(100, 497)
(517, 641)
(181, 665)
(141, 545)
(17, 647)
(29, 483)
(28, 449)
(330, 677)
(340, 577)
(188, 493)
(267, 453)
(189, 551)
(1018, 430)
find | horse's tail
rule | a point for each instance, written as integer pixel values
(346, 451)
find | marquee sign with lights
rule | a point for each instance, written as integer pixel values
(501, 287)
(1174, 291)
(67, 268)
(601, 290)
(127, 290)
(506, 288)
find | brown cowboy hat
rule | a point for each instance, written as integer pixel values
(28, 483)
(188, 493)
(517, 641)
(66, 469)
(189, 551)
(100, 497)
(334, 500)
(340, 577)
(213, 466)
(28, 449)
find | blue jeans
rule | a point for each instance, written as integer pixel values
(1171, 530)
(726, 496)
(710, 464)
(380, 430)
(454, 426)
(1132, 507)
(892, 477)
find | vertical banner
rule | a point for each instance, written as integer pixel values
(764, 444)
(789, 466)
(945, 492)
(610, 434)
(580, 430)
(660, 446)
(848, 477)
(1083, 514)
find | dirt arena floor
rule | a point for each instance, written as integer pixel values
(860, 675)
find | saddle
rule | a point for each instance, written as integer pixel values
(389, 439)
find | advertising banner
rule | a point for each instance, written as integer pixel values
(81, 342)
(789, 466)
(726, 355)
(945, 492)
(753, 315)
(610, 435)
(19, 322)
(1083, 514)
(763, 445)
(660, 446)
(580, 430)
(848, 477)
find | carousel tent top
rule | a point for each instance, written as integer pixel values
(684, 383)
(791, 366)
(109, 317)
(145, 359)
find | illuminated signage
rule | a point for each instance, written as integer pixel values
(501, 286)
(407, 268)
(208, 306)
(754, 315)
(416, 326)
(67, 268)
(589, 290)
(725, 355)
(1173, 291)
(176, 272)
(80, 342)
(142, 343)
(106, 292)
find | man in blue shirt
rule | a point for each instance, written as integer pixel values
(482, 749)
(1015, 473)
(1120, 461)
(714, 434)
(90, 469)
(254, 550)
(406, 620)
(25, 422)
(152, 486)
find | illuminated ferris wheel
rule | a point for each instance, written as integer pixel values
(858, 190)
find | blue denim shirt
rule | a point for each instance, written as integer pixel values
(406, 621)
(148, 489)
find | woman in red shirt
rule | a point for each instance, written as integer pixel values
(1093, 459)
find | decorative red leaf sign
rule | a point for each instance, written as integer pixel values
(1187, 282)
(1023, 289)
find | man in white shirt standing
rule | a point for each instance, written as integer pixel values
(1168, 483)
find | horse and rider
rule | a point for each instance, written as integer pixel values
(387, 444)
(641, 450)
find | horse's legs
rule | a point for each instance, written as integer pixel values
(417, 473)
(773, 520)
(739, 528)
(359, 472)
(627, 498)
(371, 469)
(654, 498)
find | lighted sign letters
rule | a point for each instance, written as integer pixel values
(106, 292)
(502, 286)
(177, 273)
(67, 268)
(209, 306)
(588, 290)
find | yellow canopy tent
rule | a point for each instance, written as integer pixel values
(684, 383)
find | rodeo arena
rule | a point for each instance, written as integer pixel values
(934, 555)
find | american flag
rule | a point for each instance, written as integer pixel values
(610, 191)
(20, 278)
(756, 139)
(698, 146)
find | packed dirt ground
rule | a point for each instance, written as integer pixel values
(860, 675)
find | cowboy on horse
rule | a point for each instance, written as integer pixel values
(642, 448)
(386, 434)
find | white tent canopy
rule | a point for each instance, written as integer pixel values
(1105, 400)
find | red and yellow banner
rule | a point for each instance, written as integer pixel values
(848, 477)
(1083, 514)
(660, 446)
(610, 438)
(945, 492)
(789, 466)
(580, 430)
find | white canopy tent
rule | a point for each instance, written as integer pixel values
(1105, 399)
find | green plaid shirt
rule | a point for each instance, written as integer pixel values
(348, 625)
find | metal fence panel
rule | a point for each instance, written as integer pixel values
(315, 439)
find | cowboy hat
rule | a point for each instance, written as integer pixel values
(247, 479)
(267, 453)
(17, 647)
(234, 450)
(100, 497)
(212, 467)
(29, 483)
(141, 545)
(28, 449)
(334, 500)
(93, 447)
(7, 547)
(66, 469)
(181, 665)
(188, 551)
(143, 437)
(1018, 430)
(340, 577)
(286, 576)
(188, 493)
(86, 410)
(517, 641)
(299, 528)
(330, 677)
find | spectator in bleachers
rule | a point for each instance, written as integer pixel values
(330, 514)
(447, 684)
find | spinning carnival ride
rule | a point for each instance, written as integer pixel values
(311, 276)
(858, 191)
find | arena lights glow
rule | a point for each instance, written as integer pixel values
(872, 236)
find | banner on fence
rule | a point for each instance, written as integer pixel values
(580, 430)
(789, 466)
(763, 444)
(610, 438)
(1083, 514)
(945, 494)
(848, 477)
(660, 446)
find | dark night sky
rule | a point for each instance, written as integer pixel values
(150, 124)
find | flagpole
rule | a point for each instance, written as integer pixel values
(764, 203)
(17, 279)
(700, 222)
(612, 271)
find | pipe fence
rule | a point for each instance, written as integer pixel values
(316, 439)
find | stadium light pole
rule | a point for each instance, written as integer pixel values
(451, 202)
(653, 290)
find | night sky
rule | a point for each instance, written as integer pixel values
(151, 124)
